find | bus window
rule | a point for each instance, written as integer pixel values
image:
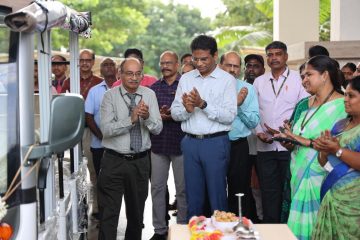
(8, 106)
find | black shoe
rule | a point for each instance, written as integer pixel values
(157, 236)
(174, 213)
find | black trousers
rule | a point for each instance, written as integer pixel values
(239, 177)
(119, 177)
(97, 154)
(271, 168)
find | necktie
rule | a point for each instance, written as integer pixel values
(135, 131)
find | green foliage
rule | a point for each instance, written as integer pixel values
(111, 24)
(148, 25)
(246, 23)
(324, 17)
(171, 27)
(4, 40)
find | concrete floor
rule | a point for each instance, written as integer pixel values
(148, 231)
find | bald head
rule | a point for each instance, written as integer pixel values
(231, 63)
(87, 61)
(127, 61)
(169, 65)
(88, 52)
(172, 54)
(108, 70)
(131, 74)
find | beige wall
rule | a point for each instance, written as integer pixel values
(296, 20)
(342, 51)
(345, 19)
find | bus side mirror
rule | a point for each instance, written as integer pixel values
(67, 121)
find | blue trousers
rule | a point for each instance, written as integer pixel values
(205, 167)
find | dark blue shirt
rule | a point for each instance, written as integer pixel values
(168, 141)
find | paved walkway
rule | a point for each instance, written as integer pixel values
(148, 231)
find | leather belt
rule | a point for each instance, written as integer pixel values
(127, 156)
(204, 136)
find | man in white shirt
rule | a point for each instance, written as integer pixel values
(205, 102)
(278, 92)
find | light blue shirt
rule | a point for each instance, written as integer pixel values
(247, 116)
(92, 106)
(218, 89)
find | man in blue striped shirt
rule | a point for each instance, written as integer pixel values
(247, 117)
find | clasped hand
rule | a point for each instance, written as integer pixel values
(165, 112)
(327, 143)
(141, 110)
(192, 100)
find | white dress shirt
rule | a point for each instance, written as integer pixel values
(274, 110)
(219, 91)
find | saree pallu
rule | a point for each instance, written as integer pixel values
(339, 213)
(306, 173)
(301, 106)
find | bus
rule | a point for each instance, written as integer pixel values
(42, 196)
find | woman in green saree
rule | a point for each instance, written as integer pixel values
(326, 107)
(339, 153)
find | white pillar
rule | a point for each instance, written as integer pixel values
(345, 19)
(296, 21)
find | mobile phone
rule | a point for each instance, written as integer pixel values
(287, 140)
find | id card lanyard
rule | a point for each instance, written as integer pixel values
(273, 87)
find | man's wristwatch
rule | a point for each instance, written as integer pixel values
(204, 105)
(339, 152)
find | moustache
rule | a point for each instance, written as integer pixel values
(165, 70)
(274, 62)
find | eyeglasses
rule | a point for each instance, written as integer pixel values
(165, 63)
(84, 60)
(133, 74)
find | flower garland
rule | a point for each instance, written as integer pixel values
(197, 226)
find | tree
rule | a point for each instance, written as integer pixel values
(325, 14)
(111, 21)
(171, 27)
(247, 23)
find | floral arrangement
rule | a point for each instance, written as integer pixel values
(197, 226)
